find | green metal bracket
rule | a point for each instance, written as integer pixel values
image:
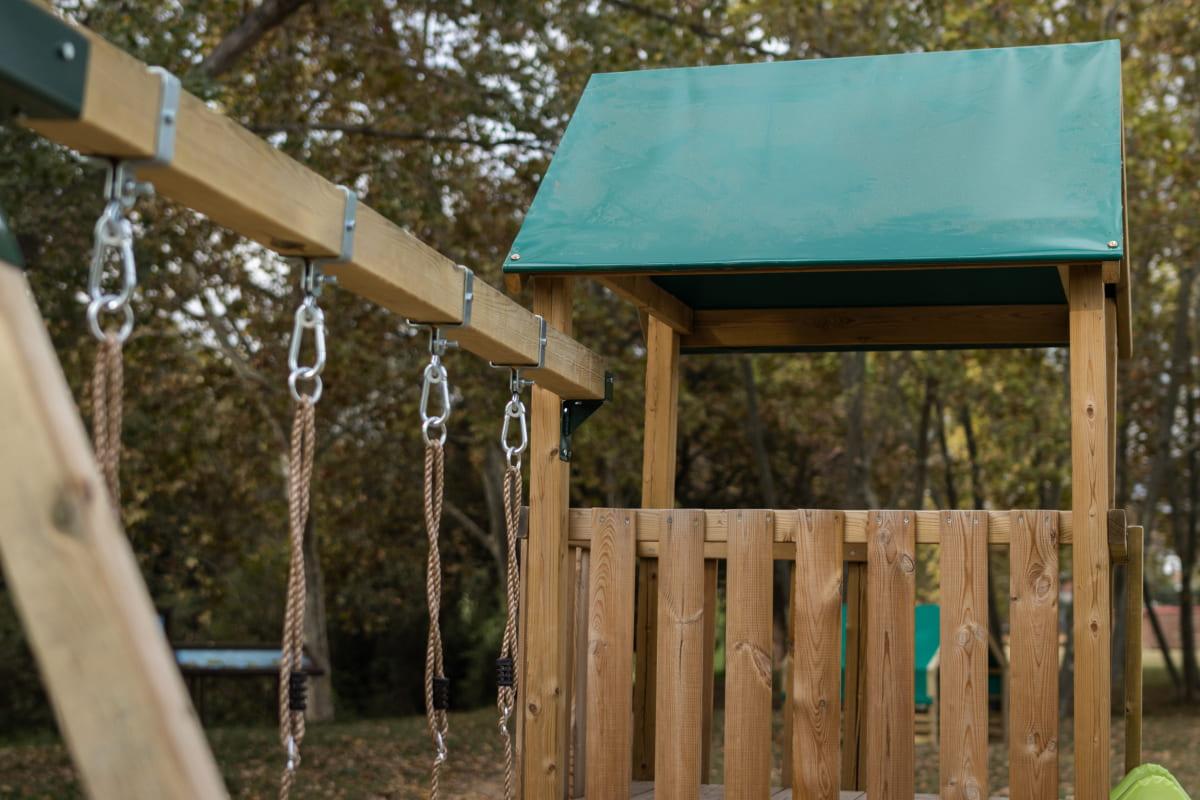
(43, 63)
(10, 250)
(576, 412)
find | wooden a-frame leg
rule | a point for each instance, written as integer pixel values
(120, 702)
(1089, 513)
(658, 491)
(544, 685)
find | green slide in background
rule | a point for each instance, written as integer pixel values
(1148, 782)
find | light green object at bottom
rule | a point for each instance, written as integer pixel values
(1148, 782)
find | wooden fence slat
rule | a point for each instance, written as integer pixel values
(748, 622)
(1033, 666)
(609, 759)
(816, 620)
(891, 591)
(963, 696)
(681, 635)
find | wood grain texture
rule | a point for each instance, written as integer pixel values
(963, 694)
(609, 763)
(928, 526)
(1033, 664)
(120, 703)
(545, 680)
(660, 430)
(680, 645)
(748, 645)
(243, 183)
(854, 725)
(1133, 649)
(650, 298)
(891, 591)
(814, 693)
(1089, 551)
(1017, 325)
(579, 685)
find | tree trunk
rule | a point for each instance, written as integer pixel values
(1185, 544)
(858, 492)
(978, 503)
(947, 461)
(316, 633)
(922, 445)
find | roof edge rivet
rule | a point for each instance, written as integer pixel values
(1113, 243)
(515, 257)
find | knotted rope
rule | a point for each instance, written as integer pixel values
(506, 694)
(107, 390)
(436, 686)
(291, 663)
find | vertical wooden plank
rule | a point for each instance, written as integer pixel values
(1110, 373)
(816, 656)
(522, 623)
(1133, 650)
(120, 702)
(1089, 518)
(546, 704)
(854, 730)
(963, 694)
(658, 491)
(610, 600)
(748, 623)
(1033, 666)
(891, 592)
(681, 635)
(710, 647)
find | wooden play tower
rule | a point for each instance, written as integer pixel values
(940, 200)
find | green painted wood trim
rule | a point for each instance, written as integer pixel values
(43, 63)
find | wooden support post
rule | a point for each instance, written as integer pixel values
(1089, 513)
(1133, 650)
(546, 705)
(579, 748)
(120, 702)
(658, 491)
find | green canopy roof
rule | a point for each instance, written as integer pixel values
(968, 158)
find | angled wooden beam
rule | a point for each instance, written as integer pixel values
(120, 702)
(919, 326)
(243, 183)
(650, 298)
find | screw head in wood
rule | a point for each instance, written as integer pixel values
(66, 51)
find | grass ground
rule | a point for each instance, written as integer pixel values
(389, 759)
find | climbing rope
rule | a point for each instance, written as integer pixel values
(506, 681)
(112, 236)
(305, 385)
(433, 429)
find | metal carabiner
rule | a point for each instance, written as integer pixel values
(435, 375)
(309, 316)
(514, 410)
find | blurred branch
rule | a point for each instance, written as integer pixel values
(254, 26)
(695, 28)
(384, 133)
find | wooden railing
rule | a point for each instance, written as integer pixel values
(865, 740)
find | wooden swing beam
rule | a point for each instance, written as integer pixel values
(241, 182)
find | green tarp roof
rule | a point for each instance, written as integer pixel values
(970, 157)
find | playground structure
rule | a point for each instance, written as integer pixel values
(614, 590)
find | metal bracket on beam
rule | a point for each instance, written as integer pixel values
(43, 63)
(576, 412)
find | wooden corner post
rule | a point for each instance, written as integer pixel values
(1089, 514)
(545, 702)
(658, 491)
(120, 702)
